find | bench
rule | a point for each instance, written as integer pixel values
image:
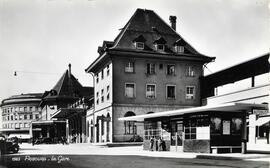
(225, 147)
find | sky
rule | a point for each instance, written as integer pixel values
(39, 38)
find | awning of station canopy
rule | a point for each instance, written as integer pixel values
(227, 108)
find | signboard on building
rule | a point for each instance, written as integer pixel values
(260, 111)
(226, 127)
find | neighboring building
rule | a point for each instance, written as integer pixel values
(67, 91)
(148, 68)
(18, 112)
(256, 73)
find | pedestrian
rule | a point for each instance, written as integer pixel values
(163, 144)
(159, 144)
(151, 143)
(156, 143)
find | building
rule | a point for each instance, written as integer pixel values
(255, 72)
(18, 112)
(148, 68)
(67, 91)
(226, 121)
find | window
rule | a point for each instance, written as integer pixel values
(102, 95)
(20, 117)
(108, 70)
(97, 97)
(102, 73)
(170, 69)
(129, 67)
(170, 92)
(190, 71)
(179, 49)
(150, 68)
(97, 78)
(139, 45)
(37, 116)
(160, 47)
(24, 108)
(190, 92)
(150, 91)
(108, 92)
(130, 90)
(11, 117)
(25, 117)
(30, 108)
(31, 116)
(160, 66)
(130, 127)
(26, 125)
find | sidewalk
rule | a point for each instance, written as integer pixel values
(88, 149)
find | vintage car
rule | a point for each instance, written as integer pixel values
(8, 145)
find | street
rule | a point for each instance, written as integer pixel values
(85, 155)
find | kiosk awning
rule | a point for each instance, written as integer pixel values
(262, 120)
(228, 107)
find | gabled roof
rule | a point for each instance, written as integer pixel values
(147, 24)
(67, 87)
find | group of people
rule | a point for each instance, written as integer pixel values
(157, 144)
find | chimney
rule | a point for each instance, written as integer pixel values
(173, 22)
(69, 70)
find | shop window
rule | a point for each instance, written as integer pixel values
(197, 127)
(236, 125)
(130, 90)
(170, 69)
(150, 91)
(130, 127)
(226, 125)
(170, 89)
(151, 129)
(215, 125)
(129, 67)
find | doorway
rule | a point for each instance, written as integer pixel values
(177, 136)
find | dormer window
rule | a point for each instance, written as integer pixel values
(139, 42)
(179, 49)
(160, 44)
(139, 45)
(179, 46)
(160, 47)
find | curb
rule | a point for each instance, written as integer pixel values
(218, 157)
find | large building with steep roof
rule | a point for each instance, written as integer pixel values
(65, 93)
(148, 68)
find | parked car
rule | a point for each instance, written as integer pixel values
(8, 145)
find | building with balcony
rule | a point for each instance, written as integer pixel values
(18, 112)
(148, 68)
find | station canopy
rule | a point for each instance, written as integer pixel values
(227, 108)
